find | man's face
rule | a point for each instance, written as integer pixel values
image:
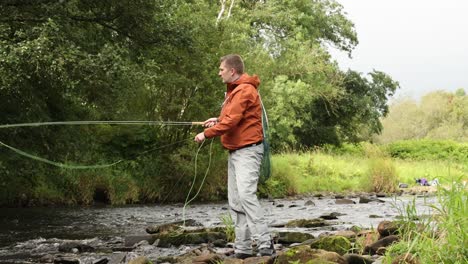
(226, 73)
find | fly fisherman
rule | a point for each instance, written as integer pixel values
(240, 128)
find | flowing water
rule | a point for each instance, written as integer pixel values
(28, 233)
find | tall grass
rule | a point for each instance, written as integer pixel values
(441, 238)
(318, 171)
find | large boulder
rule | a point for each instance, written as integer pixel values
(387, 228)
(338, 244)
(375, 247)
(293, 237)
(305, 254)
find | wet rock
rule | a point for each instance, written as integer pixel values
(280, 205)
(357, 259)
(305, 254)
(66, 260)
(220, 243)
(381, 195)
(330, 216)
(232, 261)
(47, 259)
(317, 222)
(171, 227)
(167, 259)
(344, 201)
(309, 203)
(177, 239)
(350, 235)
(386, 228)
(101, 261)
(384, 242)
(293, 237)
(364, 200)
(293, 205)
(339, 196)
(74, 246)
(139, 260)
(374, 216)
(210, 258)
(117, 258)
(259, 260)
(130, 241)
(337, 244)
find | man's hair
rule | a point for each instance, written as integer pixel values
(234, 61)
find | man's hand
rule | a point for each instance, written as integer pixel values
(210, 122)
(200, 137)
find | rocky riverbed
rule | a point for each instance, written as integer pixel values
(119, 234)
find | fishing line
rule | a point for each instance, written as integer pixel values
(99, 166)
(81, 167)
(187, 201)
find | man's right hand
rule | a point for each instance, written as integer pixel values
(210, 122)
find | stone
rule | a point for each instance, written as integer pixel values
(177, 239)
(139, 260)
(375, 216)
(293, 237)
(209, 258)
(386, 228)
(330, 216)
(171, 227)
(70, 246)
(384, 242)
(305, 254)
(67, 260)
(101, 261)
(344, 201)
(48, 258)
(338, 244)
(357, 259)
(309, 203)
(317, 222)
(259, 260)
(347, 233)
(130, 241)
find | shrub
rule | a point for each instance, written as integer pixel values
(429, 150)
(382, 176)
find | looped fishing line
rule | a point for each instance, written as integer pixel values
(187, 201)
(78, 167)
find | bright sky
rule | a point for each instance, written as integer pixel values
(422, 44)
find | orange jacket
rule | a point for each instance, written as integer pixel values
(240, 121)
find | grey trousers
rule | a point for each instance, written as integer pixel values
(243, 174)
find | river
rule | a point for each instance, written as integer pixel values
(28, 233)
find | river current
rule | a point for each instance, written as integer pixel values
(23, 230)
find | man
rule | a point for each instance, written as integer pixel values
(240, 128)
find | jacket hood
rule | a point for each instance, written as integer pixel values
(245, 79)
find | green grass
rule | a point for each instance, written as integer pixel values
(300, 173)
(441, 238)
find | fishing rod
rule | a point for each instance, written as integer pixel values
(57, 123)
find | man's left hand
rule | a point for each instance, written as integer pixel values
(200, 137)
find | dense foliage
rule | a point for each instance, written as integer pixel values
(438, 115)
(157, 60)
